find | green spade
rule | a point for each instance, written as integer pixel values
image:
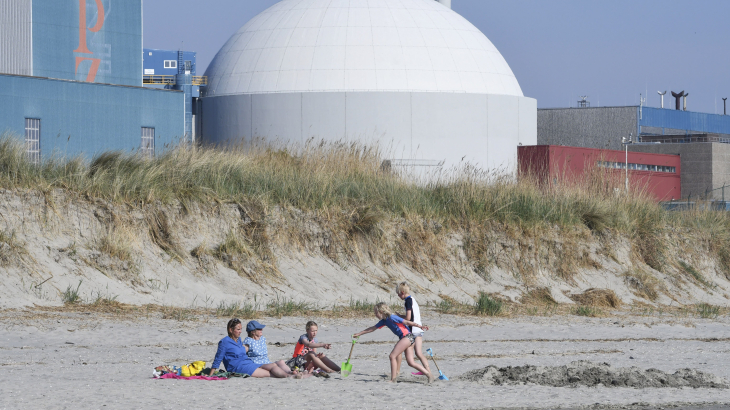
(346, 368)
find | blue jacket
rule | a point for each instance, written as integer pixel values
(233, 355)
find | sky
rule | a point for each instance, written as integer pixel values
(611, 51)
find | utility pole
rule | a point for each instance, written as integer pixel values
(626, 143)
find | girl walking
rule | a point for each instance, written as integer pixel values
(399, 327)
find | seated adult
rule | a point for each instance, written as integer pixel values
(232, 352)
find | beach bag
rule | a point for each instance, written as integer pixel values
(192, 369)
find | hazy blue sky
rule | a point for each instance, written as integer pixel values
(558, 49)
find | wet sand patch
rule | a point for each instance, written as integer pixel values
(586, 373)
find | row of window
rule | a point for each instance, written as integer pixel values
(33, 141)
(637, 167)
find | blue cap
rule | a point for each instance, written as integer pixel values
(254, 325)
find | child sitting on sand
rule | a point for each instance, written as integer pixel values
(306, 356)
(399, 327)
(413, 313)
(256, 343)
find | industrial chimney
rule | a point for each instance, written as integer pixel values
(446, 3)
(677, 99)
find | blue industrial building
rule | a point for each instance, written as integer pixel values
(167, 62)
(71, 80)
(175, 70)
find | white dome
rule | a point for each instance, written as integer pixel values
(359, 45)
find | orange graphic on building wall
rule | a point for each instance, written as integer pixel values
(83, 47)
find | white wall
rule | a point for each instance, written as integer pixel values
(478, 128)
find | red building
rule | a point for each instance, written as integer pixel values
(659, 174)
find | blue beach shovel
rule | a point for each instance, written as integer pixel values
(442, 376)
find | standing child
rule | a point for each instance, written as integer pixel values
(257, 350)
(305, 352)
(399, 327)
(413, 313)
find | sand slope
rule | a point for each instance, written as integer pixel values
(59, 241)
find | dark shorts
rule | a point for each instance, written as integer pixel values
(411, 338)
(295, 362)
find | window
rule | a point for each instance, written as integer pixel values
(147, 148)
(33, 140)
(638, 167)
(170, 63)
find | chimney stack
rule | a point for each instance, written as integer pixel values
(677, 97)
(724, 106)
(662, 96)
(685, 101)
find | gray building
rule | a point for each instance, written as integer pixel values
(704, 167)
(603, 127)
(700, 139)
(586, 127)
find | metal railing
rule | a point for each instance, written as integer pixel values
(702, 197)
(199, 80)
(158, 79)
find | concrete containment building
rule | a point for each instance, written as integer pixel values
(411, 74)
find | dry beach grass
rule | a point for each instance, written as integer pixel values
(344, 187)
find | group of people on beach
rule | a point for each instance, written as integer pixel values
(250, 355)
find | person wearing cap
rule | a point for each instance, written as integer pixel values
(232, 353)
(256, 343)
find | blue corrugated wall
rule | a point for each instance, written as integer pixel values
(685, 120)
(82, 118)
(109, 48)
(154, 59)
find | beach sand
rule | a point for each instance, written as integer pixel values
(72, 360)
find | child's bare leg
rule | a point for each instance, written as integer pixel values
(398, 349)
(418, 349)
(330, 364)
(412, 362)
(319, 363)
(400, 360)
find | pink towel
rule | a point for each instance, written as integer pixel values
(174, 376)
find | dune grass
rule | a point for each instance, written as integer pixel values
(345, 181)
(323, 176)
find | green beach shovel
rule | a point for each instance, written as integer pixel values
(346, 368)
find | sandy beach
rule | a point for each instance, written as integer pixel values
(65, 360)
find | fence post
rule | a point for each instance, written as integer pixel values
(723, 193)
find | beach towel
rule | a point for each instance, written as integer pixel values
(174, 376)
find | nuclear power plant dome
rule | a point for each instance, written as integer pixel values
(359, 45)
